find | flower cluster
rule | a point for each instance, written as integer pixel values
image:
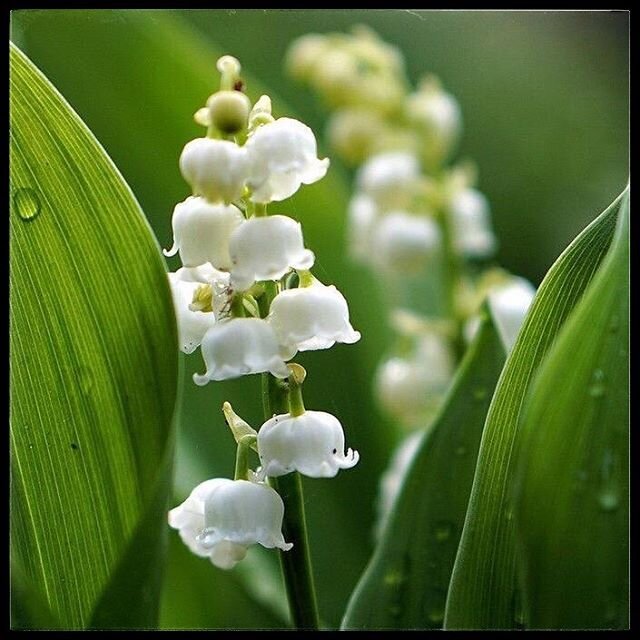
(418, 222)
(246, 297)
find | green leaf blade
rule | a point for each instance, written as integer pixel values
(94, 353)
(572, 486)
(483, 592)
(405, 585)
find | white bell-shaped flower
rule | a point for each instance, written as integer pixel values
(311, 443)
(222, 518)
(392, 479)
(282, 156)
(409, 387)
(361, 218)
(192, 325)
(389, 176)
(471, 223)
(266, 248)
(313, 317)
(510, 304)
(404, 243)
(242, 346)
(201, 232)
(215, 169)
(436, 113)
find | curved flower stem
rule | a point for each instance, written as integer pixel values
(296, 563)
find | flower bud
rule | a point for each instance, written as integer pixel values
(229, 111)
(215, 169)
(242, 346)
(265, 249)
(310, 318)
(311, 443)
(282, 156)
(221, 518)
(201, 232)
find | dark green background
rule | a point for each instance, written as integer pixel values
(545, 102)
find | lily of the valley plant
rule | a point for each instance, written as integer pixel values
(246, 297)
(420, 225)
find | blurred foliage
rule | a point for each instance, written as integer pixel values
(545, 102)
(405, 584)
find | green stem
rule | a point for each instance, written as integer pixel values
(296, 563)
(242, 457)
(296, 404)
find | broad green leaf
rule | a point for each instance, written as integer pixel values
(405, 584)
(572, 481)
(94, 368)
(482, 593)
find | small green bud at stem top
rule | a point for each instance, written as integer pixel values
(229, 111)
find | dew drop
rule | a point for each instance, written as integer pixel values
(85, 378)
(615, 323)
(608, 500)
(479, 394)
(460, 451)
(435, 603)
(596, 390)
(27, 203)
(394, 578)
(442, 531)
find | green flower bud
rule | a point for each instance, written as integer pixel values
(229, 111)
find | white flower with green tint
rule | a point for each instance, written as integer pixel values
(194, 323)
(311, 443)
(222, 518)
(201, 232)
(312, 317)
(404, 243)
(266, 248)
(471, 224)
(242, 346)
(282, 156)
(387, 177)
(215, 169)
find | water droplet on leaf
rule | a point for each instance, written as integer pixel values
(27, 203)
(479, 394)
(85, 377)
(442, 531)
(460, 451)
(435, 603)
(394, 578)
(608, 500)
